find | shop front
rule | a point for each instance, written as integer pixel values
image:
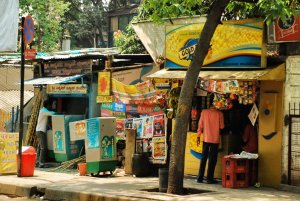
(241, 95)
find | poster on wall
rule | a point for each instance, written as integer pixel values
(8, 148)
(159, 148)
(107, 147)
(59, 139)
(159, 125)
(93, 133)
(138, 125)
(147, 146)
(120, 129)
(253, 114)
(148, 127)
(139, 146)
(104, 83)
(128, 123)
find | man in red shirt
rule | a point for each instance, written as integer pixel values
(210, 123)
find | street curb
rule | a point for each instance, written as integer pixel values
(51, 194)
(22, 191)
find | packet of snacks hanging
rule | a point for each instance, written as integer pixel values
(247, 92)
(222, 101)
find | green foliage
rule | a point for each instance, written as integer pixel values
(128, 42)
(156, 10)
(47, 15)
(86, 21)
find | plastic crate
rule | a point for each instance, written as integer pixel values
(235, 180)
(234, 165)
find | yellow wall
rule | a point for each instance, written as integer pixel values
(191, 163)
(269, 150)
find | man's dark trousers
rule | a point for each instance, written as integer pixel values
(42, 148)
(210, 151)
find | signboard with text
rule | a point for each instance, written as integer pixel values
(288, 31)
(237, 44)
(66, 89)
(72, 67)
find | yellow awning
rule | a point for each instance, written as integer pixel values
(276, 73)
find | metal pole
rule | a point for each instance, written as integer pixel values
(21, 100)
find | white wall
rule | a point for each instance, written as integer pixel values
(292, 95)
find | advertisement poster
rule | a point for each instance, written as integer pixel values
(93, 133)
(107, 146)
(148, 127)
(59, 140)
(147, 146)
(8, 149)
(253, 114)
(287, 31)
(120, 129)
(104, 83)
(80, 130)
(235, 43)
(128, 123)
(138, 125)
(159, 125)
(139, 146)
(159, 148)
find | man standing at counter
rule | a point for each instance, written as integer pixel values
(41, 133)
(210, 123)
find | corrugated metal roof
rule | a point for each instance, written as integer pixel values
(52, 80)
(9, 99)
(15, 58)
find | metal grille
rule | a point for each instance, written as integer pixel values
(294, 145)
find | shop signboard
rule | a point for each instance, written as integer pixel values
(66, 89)
(118, 107)
(30, 54)
(104, 83)
(288, 31)
(65, 68)
(8, 150)
(237, 44)
(104, 99)
(107, 106)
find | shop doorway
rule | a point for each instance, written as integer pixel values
(294, 145)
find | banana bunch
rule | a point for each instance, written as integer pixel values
(173, 98)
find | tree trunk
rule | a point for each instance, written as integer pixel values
(176, 166)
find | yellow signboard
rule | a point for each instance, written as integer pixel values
(104, 83)
(8, 150)
(66, 89)
(234, 44)
(104, 99)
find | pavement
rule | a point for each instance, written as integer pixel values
(69, 186)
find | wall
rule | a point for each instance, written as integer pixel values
(292, 95)
(192, 163)
(270, 133)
